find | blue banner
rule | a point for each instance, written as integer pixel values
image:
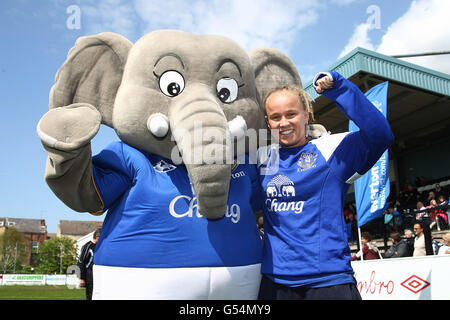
(372, 189)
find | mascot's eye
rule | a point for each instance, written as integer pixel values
(227, 90)
(171, 83)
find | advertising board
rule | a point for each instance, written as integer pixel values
(412, 278)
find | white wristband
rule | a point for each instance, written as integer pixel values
(319, 75)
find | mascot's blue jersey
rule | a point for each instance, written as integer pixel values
(305, 239)
(152, 219)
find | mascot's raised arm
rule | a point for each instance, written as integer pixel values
(179, 219)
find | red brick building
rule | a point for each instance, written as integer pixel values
(34, 231)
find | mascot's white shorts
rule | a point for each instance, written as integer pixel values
(207, 283)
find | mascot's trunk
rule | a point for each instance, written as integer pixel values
(200, 130)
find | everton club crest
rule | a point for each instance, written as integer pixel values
(306, 161)
(163, 166)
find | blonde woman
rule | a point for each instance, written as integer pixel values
(306, 253)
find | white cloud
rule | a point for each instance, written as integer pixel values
(425, 27)
(252, 23)
(109, 15)
(360, 38)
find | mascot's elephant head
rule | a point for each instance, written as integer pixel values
(174, 93)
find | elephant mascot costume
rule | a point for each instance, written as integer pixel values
(178, 224)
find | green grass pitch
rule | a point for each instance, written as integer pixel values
(23, 292)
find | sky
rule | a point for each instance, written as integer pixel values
(36, 36)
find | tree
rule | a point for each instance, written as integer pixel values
(13, 250)
(56, 254)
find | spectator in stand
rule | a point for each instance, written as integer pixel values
(445, 248)
(433, 217)
(423, 218)
(389, 219)
(406, 216)
(369, 250)
(419, 241)
(436, 245)
(398, 220)
(431, 196)
(409, 240)
(442, 212)
(442, 201)
(421, 212)
(399, 247)
(398, 205)
(438, 217)
(410, 197)
(438, 191)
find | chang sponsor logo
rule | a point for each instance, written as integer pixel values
(233, 212)
(278, 189)
(280, 186)
(274, 206)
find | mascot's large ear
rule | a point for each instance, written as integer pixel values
(272, 68)
(92, 73)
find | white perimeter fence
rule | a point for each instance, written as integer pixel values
(412, 278)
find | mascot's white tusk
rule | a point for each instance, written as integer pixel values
(158, 124)
(316, 131)
(237, 127)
